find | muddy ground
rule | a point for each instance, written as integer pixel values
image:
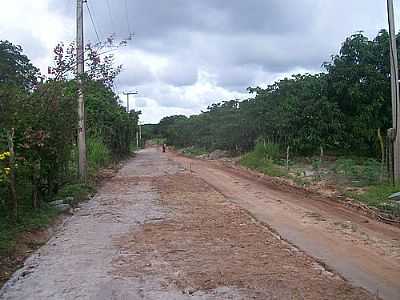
(158, 231)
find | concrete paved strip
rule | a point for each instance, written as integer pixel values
(157, 232)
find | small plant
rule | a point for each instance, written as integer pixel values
(377, 196)
(261, 161)
(316, 165)
(362, 173)
(98, 153)
(346, 167)
(194, 151)
(269, 151)
(371, 171)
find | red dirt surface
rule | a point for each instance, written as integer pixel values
(209, 243)
(362, 250)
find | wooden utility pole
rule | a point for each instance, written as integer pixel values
(80, 57)
(140, 133)
(127, 98)
(394, 75)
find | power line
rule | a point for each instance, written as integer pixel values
(110, 15)
(93, 24)
(127, 18)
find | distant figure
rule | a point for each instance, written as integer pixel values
(163, 147)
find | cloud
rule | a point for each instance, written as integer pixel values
(187, 54)
(33, 26)
(179, 74)
(138, 67)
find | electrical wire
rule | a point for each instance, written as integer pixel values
(127, 18)
(111, 17)
(93, 24)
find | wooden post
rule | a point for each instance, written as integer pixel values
(13, 190)
(287, 157)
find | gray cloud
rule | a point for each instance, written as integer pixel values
(180, 73)
(237, 43)
(135, 73)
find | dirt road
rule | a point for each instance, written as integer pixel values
(365, 252)
(157, 231)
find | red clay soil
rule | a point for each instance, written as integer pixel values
(210, 242)
(363, 250)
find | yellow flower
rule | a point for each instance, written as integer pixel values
(4, 155)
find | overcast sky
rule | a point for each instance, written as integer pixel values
(187, 54)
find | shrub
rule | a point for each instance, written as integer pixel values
(366, 172)
(97, 152)
(269, 151)
(261, 160)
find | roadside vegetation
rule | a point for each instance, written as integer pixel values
(193, 151)
(328, 128)
(263, 160)
(38, 126)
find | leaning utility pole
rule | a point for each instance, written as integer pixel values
(80, 59)
(127, 99)
(394, 75)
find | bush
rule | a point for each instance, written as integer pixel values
(269, 151)
(377, 196)
(97, 152)
(261, 160)
(366, 172)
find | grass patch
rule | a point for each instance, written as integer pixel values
(262, 159)
(359, 172)
(28, 220)
(253, 161)
(98, 154)
(377, 196)
(194, 151)
(31, 220)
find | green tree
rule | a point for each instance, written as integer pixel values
(358, 81)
